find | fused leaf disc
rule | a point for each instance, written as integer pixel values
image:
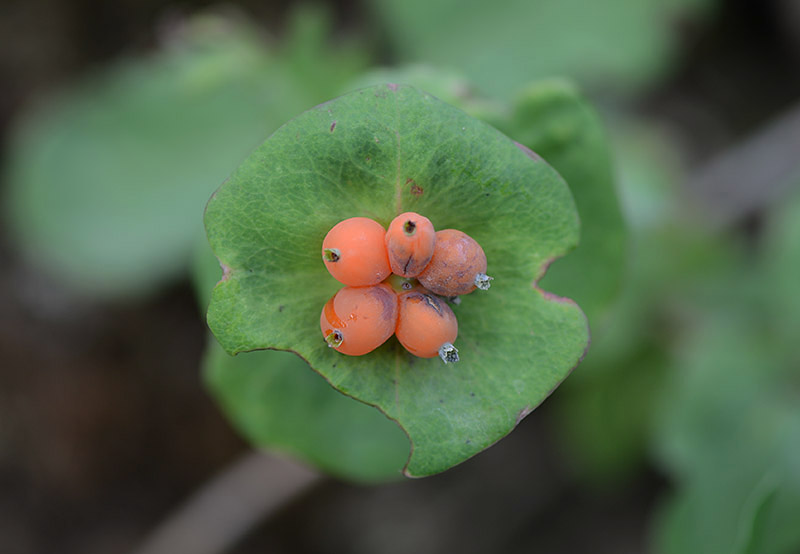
(378, 152)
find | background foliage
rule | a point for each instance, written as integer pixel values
(679, 427)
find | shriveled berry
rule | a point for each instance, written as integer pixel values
(357, 320)
(354, 251)
(426, 326)
(458, 265)
(410, 239)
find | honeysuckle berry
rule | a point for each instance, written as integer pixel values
(357, 320)
(354, 252)
(426, 326)
(458, 265)
(410, 240)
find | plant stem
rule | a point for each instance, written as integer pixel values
(217, 516)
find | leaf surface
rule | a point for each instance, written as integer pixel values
(378, 152)
(276, 401)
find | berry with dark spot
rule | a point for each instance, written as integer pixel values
(458, 265)
(410, 241)
(426, 326)
(357, 320)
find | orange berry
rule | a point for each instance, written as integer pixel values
(426, 326)
(357, 320)
(409, 242)
(354, 251)
(458, 265)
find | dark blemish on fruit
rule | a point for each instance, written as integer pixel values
(280, 308)
(392, 86)
(409, 227)
(333, 126)
(388, 301)
(405, 267)
(433, 302)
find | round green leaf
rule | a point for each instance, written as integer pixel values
(276, 401)
(375, 153)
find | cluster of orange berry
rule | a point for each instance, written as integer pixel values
(362, 255)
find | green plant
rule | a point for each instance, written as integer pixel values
(692, 370)
(393, 148)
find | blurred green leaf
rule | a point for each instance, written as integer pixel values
(553, 120)
(604, 415)
(649, 171)
(363, 154)
(730, 433)
(782, 266)
(107, 181)
(617, 45)
(447, 85)
(606, 409)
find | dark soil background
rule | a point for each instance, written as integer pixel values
(104, 423)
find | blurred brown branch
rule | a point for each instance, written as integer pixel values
(224, 510)
(750, 175)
